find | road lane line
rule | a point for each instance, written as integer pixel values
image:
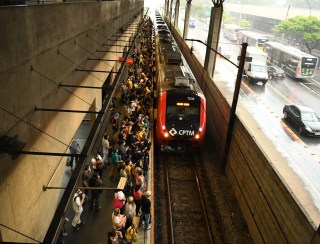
(315, 81)
(279, 93)
(290, 132)
(310, 89)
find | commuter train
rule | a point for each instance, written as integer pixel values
(181, 109)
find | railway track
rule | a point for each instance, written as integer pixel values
(187, 220)
(226, 222)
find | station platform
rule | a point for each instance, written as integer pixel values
(97, 224)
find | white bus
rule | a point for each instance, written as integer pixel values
(231, 31)
(253, 39)
(294, 62)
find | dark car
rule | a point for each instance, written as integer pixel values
(276, 72)
(303, 118)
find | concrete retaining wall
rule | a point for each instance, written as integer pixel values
(254, 169)
(41, 46)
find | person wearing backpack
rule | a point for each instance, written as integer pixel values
(132, 233)
(95, 181)
(77, 202)
(145, 210)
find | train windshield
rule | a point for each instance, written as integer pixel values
(183, 108)
(183, 113)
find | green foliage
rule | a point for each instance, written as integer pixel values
(227, 18)
(200, 9)
(301, 28)
(245, 23)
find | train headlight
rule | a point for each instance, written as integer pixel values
(166, 134)
(197, 136)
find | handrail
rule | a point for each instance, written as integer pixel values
(90, 148)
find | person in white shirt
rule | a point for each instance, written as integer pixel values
(77, 202)
(105, 148)
(118, 220)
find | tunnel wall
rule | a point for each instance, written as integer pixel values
(41, 47)
(254, 168)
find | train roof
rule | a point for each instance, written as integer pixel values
(175, 74)
(170, 53)
(178, 77)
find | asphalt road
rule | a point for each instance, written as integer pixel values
(265, 104)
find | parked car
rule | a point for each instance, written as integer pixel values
(192, 23)
(276, 72)
(303, 118)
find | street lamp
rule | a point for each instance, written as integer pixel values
(288, 11)
(241, 12)
(309, 7)
(286, 19)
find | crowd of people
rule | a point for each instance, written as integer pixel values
(126, 151)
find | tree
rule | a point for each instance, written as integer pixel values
(301, 29)
(245, 23)
(227, 18)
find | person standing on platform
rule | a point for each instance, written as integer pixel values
(145, 209)
(115, 123)
(95, 181)
(105, 148)
(129, 211)
(85, 180)
(137, 193)
(115, 162)
(114, 237)
(77, 202)
(122, 149)
(97, 164)
(74, 149)
(118, 220)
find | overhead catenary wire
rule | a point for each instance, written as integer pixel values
(79, 65)
(5, 226)
(42, 131)
(58, 84)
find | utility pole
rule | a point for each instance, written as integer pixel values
(286, 19)
(187, 19)
(309, 8)
(232, 116)
(213, 36)
(176, 19)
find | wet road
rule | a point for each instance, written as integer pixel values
(265, 103)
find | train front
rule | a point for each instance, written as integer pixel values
(181, 120)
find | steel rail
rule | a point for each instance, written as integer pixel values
(202, 202)
(170, 204)
(169, 200)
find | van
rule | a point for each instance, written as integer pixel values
(256, 69)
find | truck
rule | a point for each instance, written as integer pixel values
(256, 69)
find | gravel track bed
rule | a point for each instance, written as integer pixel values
(183, 187)
(225, 218)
